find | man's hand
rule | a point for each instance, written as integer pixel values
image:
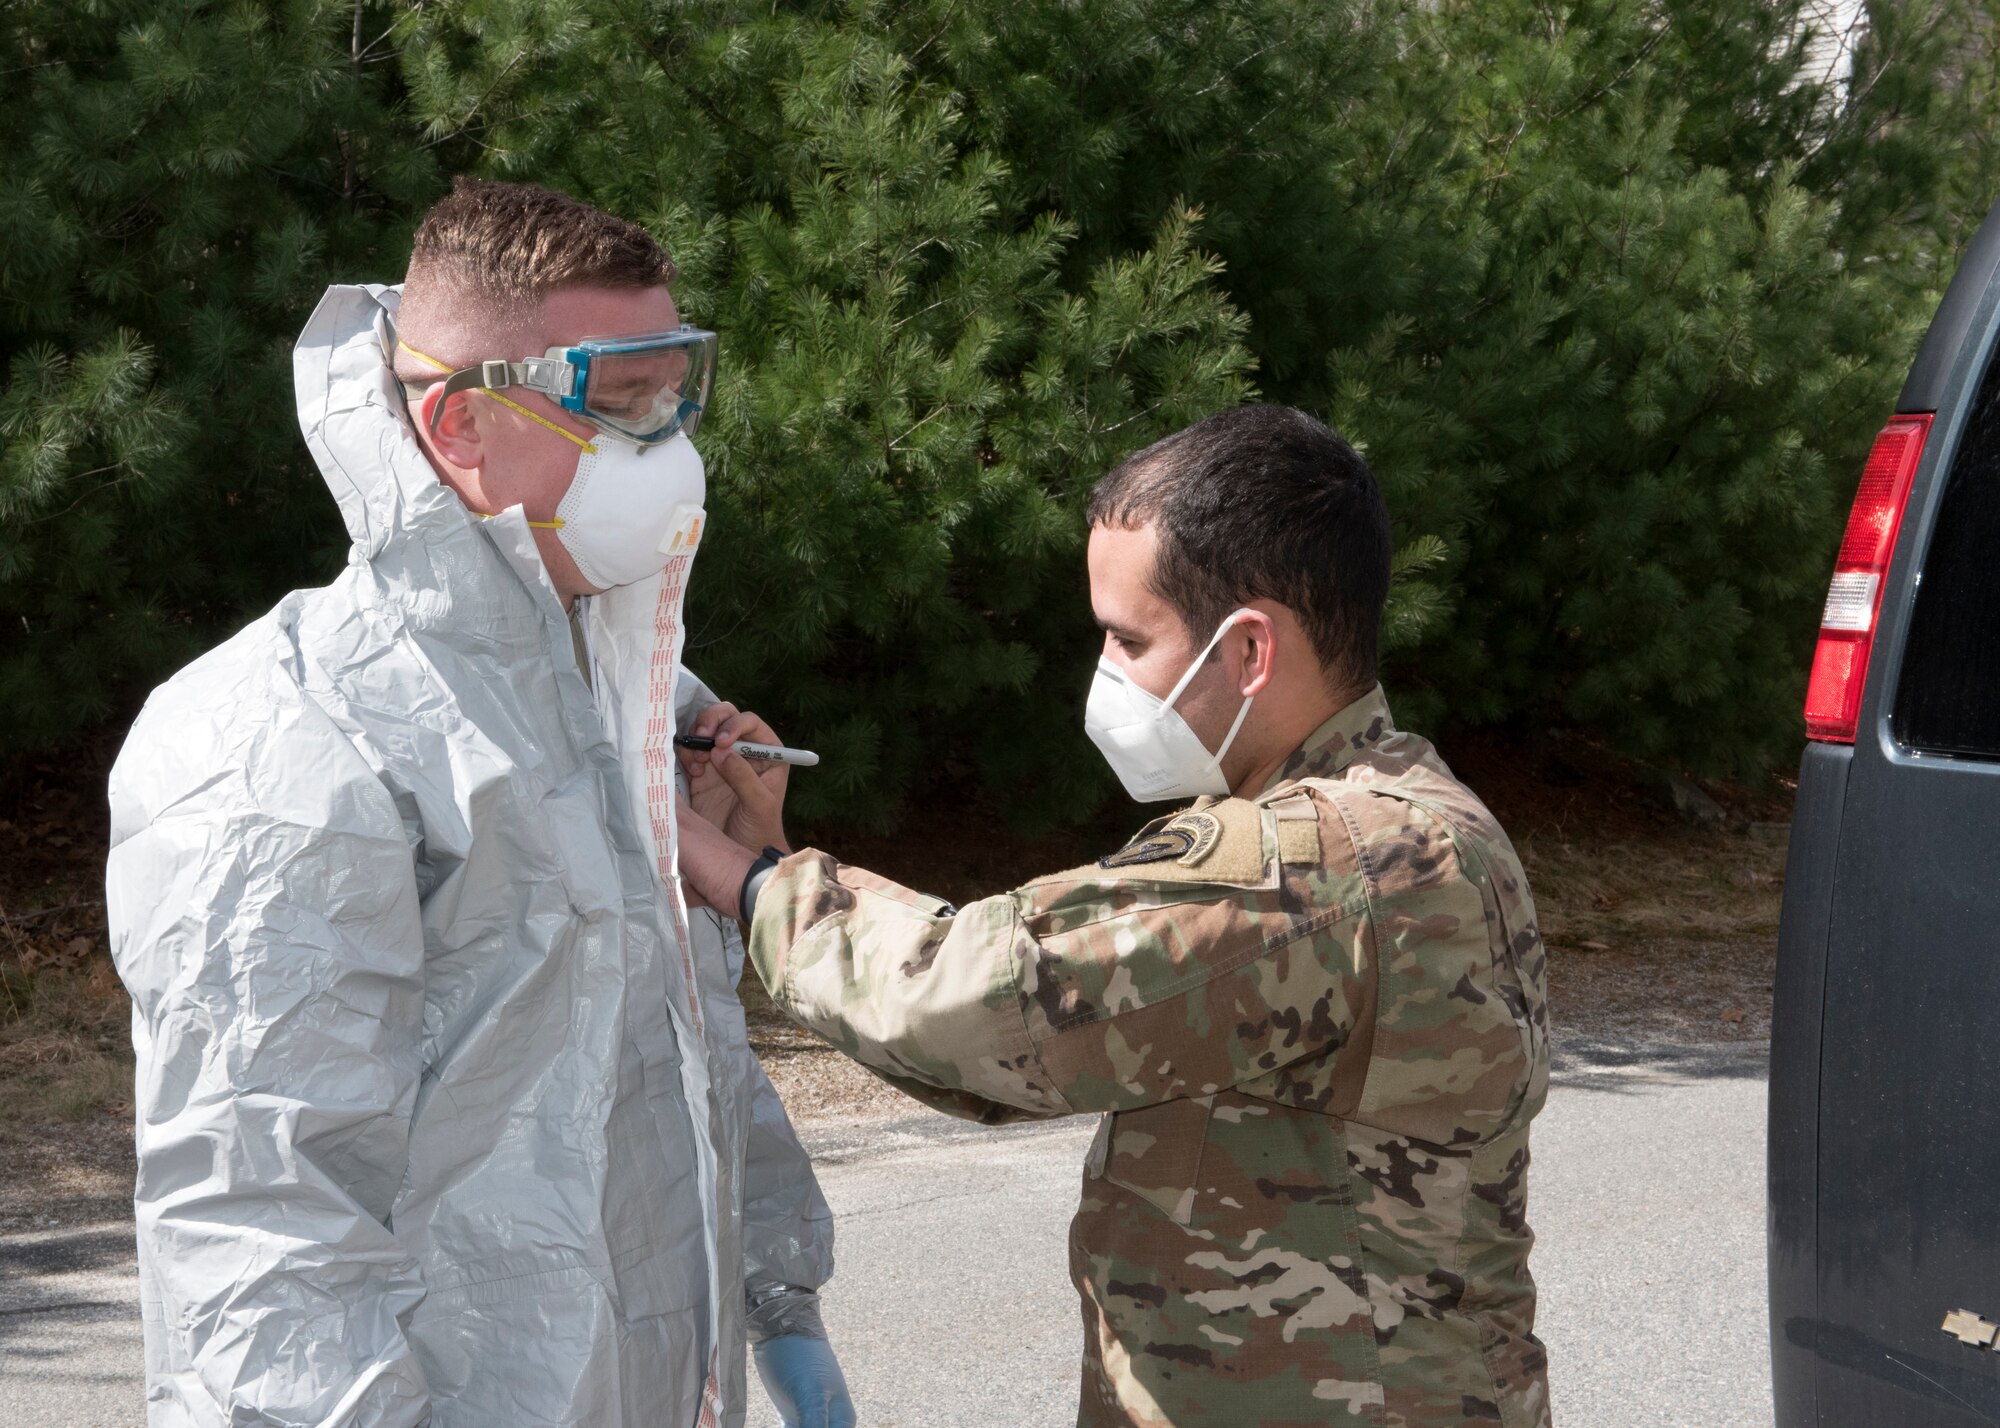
(712, 863)
(745, 800)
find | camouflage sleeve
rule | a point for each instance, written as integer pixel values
(919, 994)
(1106, 988)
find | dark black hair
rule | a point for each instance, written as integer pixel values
(1263, 502)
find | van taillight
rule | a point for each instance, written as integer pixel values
(1847, 629)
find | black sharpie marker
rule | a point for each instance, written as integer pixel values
(760, 753)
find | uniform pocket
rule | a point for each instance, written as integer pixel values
(1155, 1153)
(1253, 1306)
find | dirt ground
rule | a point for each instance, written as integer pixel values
(65, 1039)
(1657, 931)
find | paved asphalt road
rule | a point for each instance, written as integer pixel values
(953, 1309)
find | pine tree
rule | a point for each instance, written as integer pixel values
(918, 385)
(1612, 293)
(183, 177)
(1655, 382)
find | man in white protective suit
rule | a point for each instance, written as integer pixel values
(446, 1114)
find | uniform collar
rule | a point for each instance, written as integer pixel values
(1333, 745)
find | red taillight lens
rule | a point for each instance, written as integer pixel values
(1847, 628)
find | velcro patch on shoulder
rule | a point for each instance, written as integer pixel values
(1298, 827)
(1298, 842)
(1222, 843)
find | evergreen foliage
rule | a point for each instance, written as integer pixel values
(918, 388)
(1611, 292)
(1634, 410)
(182, 178)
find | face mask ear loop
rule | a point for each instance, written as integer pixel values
(1230, 737)
(1202, 658)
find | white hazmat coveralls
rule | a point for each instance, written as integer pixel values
(445, 1110)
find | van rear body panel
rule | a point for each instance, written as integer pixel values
(1798, 998)
(1885, 1064)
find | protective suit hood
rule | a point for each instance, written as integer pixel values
(351, 410)
(404, 522)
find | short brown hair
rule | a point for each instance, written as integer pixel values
(514, 243)
(1263, 502)
(486, 256)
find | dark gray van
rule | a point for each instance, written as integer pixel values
(1885, 1045)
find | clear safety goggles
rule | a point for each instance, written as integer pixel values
(645, 389)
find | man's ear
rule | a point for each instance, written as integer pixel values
(1260, 650)
(454, 433)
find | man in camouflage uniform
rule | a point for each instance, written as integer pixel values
(1313, 1012)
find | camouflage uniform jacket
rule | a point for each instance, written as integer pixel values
(1316, 1020)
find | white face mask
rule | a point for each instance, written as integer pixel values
(629, 512)
(1147, 743)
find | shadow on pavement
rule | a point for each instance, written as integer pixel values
(40, 1322)
(54, 1284)
(67, 1252)
(1592, 1064)
(836, 1142)
(1579, 1062)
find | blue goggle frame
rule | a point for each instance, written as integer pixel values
(563, 375)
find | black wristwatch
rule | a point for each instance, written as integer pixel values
(746, 896)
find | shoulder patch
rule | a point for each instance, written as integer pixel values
(1224, 843)
(1186, 838)
(1204, 828)
(1168, 842)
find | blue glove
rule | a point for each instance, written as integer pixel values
(804, 1382)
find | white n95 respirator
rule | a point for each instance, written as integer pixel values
(1147, 743)
(629, 511)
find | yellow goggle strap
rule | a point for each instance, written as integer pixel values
(423, 356)
(555, 525)
(426, 357)
(563, 432)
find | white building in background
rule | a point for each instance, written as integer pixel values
(1839, 25)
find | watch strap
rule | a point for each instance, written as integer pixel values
(753, 881)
